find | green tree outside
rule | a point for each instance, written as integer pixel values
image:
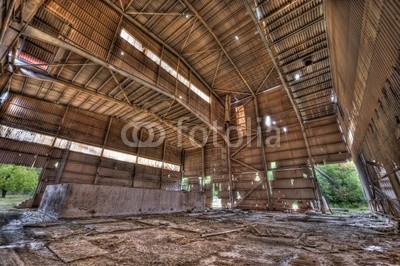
(349, 194)
(17, 179)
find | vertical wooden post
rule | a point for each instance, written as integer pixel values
(365, 181)
(162, 164)
(182, 165)
(51, 150)
(159, 67)
(318, 191)
(228, 153)
(102, 150)
(263, 157)
(63, 161)
(203, 167)
(137, 157)
(395, 184)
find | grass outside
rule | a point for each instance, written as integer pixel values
(11, 201)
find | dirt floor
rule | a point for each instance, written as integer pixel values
(210, 238)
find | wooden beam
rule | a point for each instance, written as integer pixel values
(159, 40)
(210, 30)
(163, 162)
(95, 180)
(45, 37)
(39, 76)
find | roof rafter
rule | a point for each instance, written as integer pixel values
(285, 85)
(168, 47)
(45, 37)
(91, 93)
(205, 24)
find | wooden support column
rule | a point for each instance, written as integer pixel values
(102, 151)
(317, 190)
(137, 158)
(228, 155)
(159, 67)
(162, 164)
(264, 159)
(182, 165)
(203, 167)
(395, 184)
(190, 82)
(51, 151)
(63, 161)
(365, 182)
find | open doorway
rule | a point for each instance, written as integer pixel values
(17, 184)
(341, 187)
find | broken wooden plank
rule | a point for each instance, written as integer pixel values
(222, 233)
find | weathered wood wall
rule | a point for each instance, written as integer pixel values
(67, 166)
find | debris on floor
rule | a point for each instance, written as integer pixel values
(210, 238)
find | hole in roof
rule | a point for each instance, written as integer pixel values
(308, 61)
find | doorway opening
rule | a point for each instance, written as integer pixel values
(17, 184)
(341, 187)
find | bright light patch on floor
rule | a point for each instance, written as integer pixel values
(297, 76)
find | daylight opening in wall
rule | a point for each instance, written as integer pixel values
(17, 185)
(216, 201)
(238, 195)
(33, 137)
(270, 175)
(185, 184)
(295, 205)
(268, 121)
(164, 65)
